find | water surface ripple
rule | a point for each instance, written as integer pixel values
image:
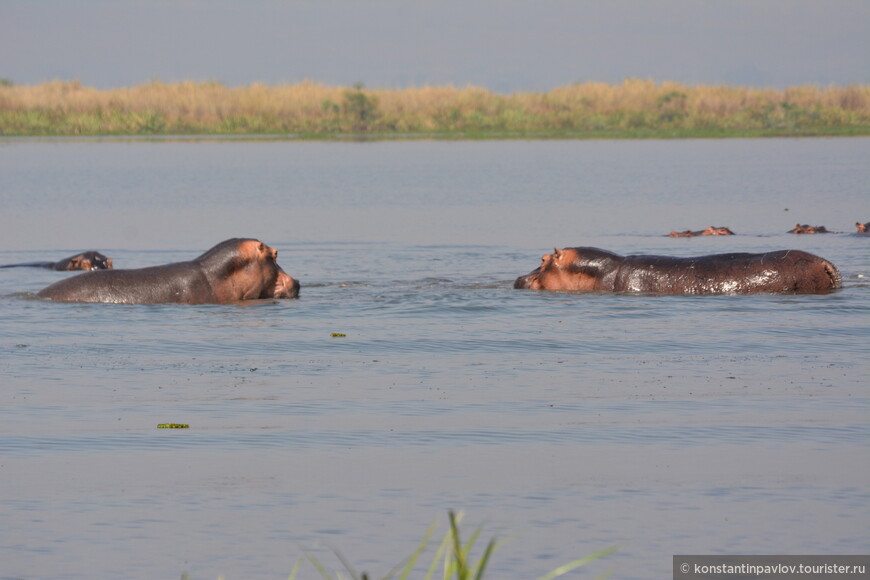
(661, 424)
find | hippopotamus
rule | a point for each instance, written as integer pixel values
(863, 228)
(807, 229)
(234, 270)
(709, 231)
(596, 270)
(90, 260)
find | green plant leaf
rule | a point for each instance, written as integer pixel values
(442, 549)
(347, 565)
(565, 568)
(458, 551)
(316, 563)
(420, 547)
(295, 569)
(490, 548)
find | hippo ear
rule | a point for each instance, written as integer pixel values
(556, 253)
(74, 263)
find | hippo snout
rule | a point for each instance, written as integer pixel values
(293, 291)
(286, 286)
(525, 282)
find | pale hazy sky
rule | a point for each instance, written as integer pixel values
(503, 45)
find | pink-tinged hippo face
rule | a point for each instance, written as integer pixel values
(255, 274)
(808, 229)
(560, 270)
(717, 231)
(708, 231)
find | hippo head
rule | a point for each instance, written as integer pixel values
(246, 269)
(570, 270)
(717, 231)
(86, 261)
(808, 229)
(275, 282)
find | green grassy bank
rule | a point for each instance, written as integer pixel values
(632, 109)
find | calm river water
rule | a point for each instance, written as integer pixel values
(565, 423)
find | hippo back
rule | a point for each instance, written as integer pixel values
(784, 271)
(180, 282)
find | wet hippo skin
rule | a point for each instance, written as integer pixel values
(234, 270)
(90, 260)
(592, 269)
(808, 229)
(708, 231)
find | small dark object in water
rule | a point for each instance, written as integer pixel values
(807, 229)
(708, 231)
(90, 260)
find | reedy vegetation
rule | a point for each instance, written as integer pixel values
(634, 108)
(456, 559)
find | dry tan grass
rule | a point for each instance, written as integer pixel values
(309, 107)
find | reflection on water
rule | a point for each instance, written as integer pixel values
(663, 424)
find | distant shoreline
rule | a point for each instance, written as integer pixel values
(634, 109)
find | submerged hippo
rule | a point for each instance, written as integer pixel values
(90, 260)
(709, 231)
(863, 228)
(807, 229)
(237, 269)
(592, 269)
